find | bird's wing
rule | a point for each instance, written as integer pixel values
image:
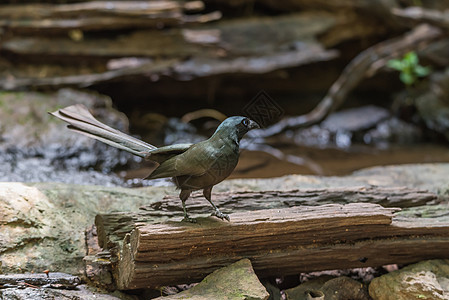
(161, 154)
(194, 162)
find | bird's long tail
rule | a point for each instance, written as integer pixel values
(82, 121)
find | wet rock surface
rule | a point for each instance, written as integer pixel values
(36, 147)
(82, 292)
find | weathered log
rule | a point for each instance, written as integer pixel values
(218, 40)
(113, 227)
(104, 23)
(180, 69)
(278, 242)
(99, 15)
(187, 53)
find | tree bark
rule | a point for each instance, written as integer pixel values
(278, 242)
(112, 227)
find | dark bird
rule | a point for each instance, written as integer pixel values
(193, 167)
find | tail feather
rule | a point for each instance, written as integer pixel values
(82, 121)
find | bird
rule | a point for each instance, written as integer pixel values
(192, 167)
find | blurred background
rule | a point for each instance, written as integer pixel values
(337, 85)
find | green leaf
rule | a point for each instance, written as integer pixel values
(411, 58)
(395, 64)
(421, 71)
(407, 78)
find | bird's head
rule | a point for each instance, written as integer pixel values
(236, 127)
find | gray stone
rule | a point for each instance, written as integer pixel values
(324, 287)
(301, 291)
(35, 146)
(234, 282)
(81, 293)
(343, 288)
(42, 227)
(40, 279)
(424, 280)
(350, 120)
(393, 131)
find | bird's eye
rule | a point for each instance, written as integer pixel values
(245, 122)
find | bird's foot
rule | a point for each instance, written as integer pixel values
(220, 215)
(188, 219)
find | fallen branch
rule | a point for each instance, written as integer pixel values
(416, 15)
(358, 69)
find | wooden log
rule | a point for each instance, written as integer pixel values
(100, 16)
(113, 227)
(20, 14)
(104, 23)
(278, 242)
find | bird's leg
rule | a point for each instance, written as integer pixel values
(207, 192)
(183, 196)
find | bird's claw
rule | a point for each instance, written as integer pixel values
(188, 219)
(221, 215)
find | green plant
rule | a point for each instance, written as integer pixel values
(409, 67)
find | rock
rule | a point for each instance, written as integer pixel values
(272, 289)
(300, 292)
(393, 131)
(83, 292)
(340, 288)
(234, 282)
(343, 288)
(341, 128)
(178, 132)
(43, 227)
(424, 280)
(61, 280)
(427, 105)
(350, 120)
(41, 149)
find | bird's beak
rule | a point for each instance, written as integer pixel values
(253, 125)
